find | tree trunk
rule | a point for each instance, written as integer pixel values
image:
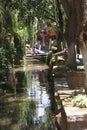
(83, 36)
(79, 8)
(71, 41)
(71, 29)
(84, 54)
(72, 56)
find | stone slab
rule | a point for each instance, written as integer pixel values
(75, 118)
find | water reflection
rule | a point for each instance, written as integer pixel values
(29, 107)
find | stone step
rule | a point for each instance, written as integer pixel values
(71, 118)
(76, 118)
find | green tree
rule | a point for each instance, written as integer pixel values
(76, 29)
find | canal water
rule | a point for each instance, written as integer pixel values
(28, 104)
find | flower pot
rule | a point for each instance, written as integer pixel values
(76, 79)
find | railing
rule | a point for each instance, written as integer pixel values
(60, 57)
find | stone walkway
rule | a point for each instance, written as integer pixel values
(74, 118)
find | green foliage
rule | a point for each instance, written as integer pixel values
(23, 32)
(61, 69)
(18, 16)
(10, 54)
(3, 63)
(54, 48)
(18, 49)
(78, 99)
(48, 57)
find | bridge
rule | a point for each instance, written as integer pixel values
(41, 57)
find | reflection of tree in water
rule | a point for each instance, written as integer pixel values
(22, 112)
(15, 81)
(51, 91)
(17, 115)
(39, 82)
(21, 80)
(54, 106)
(26, 114)
(42, 77)
(21, 115)
(24, 80)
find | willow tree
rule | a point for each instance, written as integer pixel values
(76, 29)
(50, 11)
(2, 23)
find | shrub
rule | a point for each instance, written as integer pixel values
(3, 63)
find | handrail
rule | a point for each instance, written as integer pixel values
(61, 53)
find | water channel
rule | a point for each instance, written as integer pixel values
(30, 106)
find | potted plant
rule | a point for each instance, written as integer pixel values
(75, 79)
